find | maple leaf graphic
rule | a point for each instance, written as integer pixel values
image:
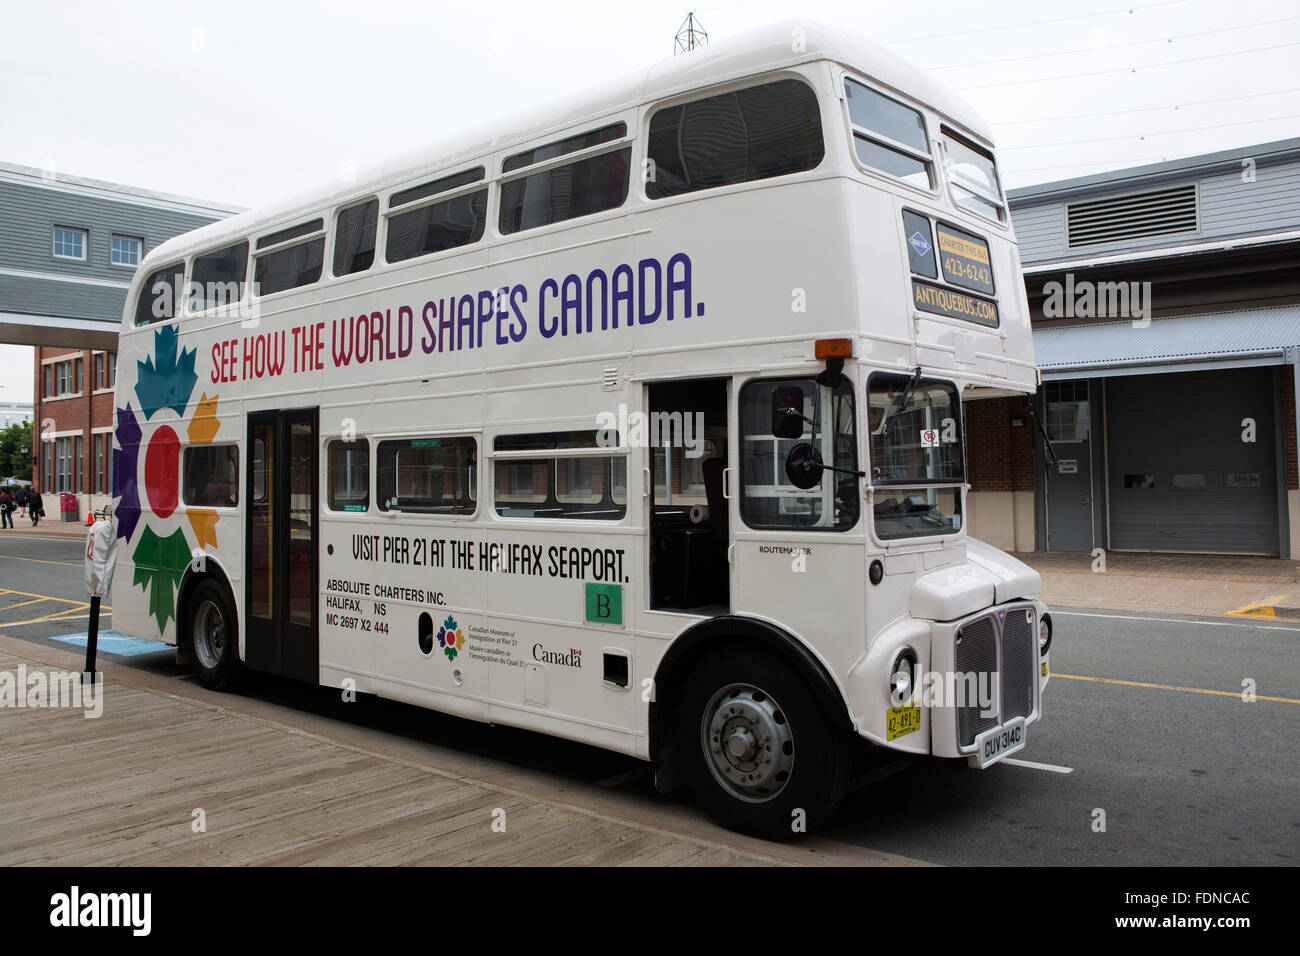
(170, 382)
(159, 565)
(125, 460)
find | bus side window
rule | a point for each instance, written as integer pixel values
(555, 485)
(354, 237)
(160, 295)
(349, 476)
(429, 475)
(762, 131)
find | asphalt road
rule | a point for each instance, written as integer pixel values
(1187, 774)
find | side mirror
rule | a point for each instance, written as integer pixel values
(787, 415)
(803, 466)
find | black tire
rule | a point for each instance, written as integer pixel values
(809, 756)
(212, 636)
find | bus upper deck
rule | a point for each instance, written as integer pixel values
(875, 183)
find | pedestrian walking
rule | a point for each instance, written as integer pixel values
(35, 507)
(7, 507)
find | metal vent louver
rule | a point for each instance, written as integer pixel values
(1156, 212)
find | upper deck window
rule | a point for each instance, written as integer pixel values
(530, 157)
(160, 295)
(889, 136)
(354, 237)
(755, 133)
(974, 177)
(456, 221)
(217, 279)
(290, 264)
(581, 188)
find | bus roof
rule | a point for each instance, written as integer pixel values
(763, 49)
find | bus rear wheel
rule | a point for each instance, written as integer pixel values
(759, 751)
(213, 636)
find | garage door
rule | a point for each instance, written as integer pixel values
(1180, 475)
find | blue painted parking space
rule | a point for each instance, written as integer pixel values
(111, 642)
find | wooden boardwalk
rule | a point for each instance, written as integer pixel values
(123, 789)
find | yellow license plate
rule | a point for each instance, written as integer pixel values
(901, 721)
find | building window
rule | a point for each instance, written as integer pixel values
(103, 463)
(66, 464)
(125, 251)
(69, 243)
(1067, 410)
(105, 369)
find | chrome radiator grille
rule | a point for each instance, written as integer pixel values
(976, 653)
(1003, 657)
(1018, 677)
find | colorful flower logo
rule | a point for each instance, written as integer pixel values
(165, 383)
(450, 638)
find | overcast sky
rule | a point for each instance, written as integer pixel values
(243, 101)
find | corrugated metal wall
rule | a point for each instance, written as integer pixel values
(1180, 476)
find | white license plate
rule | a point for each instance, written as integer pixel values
(992, 745)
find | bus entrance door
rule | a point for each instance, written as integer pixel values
(280, 557)
(688, 508)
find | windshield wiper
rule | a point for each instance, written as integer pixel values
(902, 403)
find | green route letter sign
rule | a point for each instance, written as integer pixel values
(605, 603)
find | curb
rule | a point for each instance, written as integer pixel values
(1270, 608)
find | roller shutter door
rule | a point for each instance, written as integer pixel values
(1180, 477)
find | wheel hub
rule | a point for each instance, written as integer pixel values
(748, 742)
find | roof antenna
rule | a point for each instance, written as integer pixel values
(690, 35)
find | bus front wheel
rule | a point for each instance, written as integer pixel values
(213, 636)
(759, 751)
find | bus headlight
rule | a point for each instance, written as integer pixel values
(902, 677)
(1044, 634)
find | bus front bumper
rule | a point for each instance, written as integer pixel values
(975, 687)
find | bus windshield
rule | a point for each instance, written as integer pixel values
(916, 453)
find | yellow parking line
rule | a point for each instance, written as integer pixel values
(1189, 690)
(66, 614)
(13, 557)
(10, 607)
(43, 596)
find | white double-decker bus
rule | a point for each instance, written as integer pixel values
(638, 423)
